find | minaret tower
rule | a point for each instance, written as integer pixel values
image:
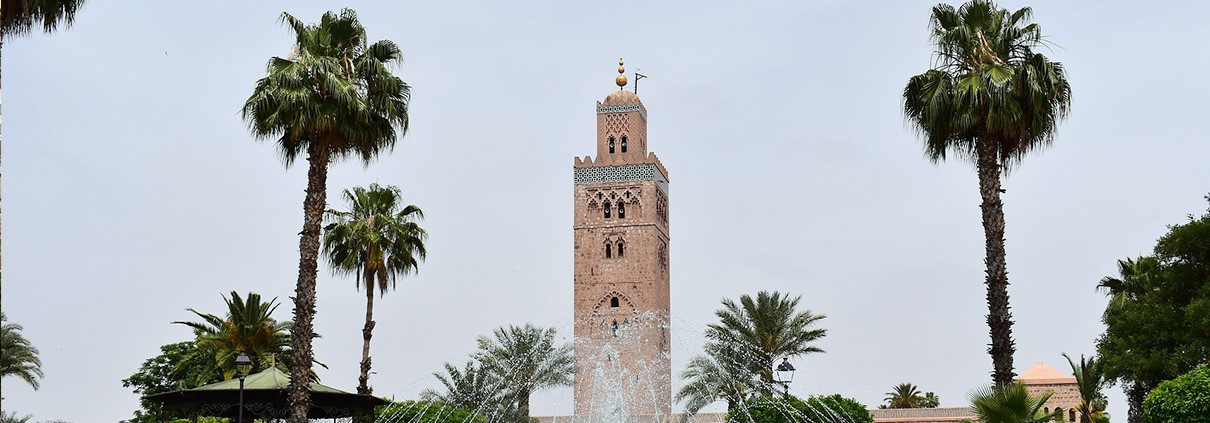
(622, 342)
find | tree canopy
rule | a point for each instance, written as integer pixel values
(1185, 399)
(1157, 322)
(18, 357)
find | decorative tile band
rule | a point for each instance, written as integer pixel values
(620, 173)
(621, 108)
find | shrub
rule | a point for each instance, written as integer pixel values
(1185, 399)
(816, 409)
(425, 412)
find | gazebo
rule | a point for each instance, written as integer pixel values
(265, 398)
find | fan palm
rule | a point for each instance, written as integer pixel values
(247, 327)
(18, 357)
(991, 100)
(20, 17)
(1010, 403)
(764, 329)
(333, 98)
(1090, 379)
(719, 374)
(904, 395)
(376, 240)
(526, 359)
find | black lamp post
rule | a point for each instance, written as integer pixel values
(785, 375)
(241, 361)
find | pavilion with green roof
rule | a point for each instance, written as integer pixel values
(265, 397)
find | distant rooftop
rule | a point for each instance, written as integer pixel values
(1042, 374)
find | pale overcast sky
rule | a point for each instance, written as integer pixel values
(132, 189)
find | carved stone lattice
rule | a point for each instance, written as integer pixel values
(623, 108)
(620, 173)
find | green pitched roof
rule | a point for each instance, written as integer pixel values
(270, 378)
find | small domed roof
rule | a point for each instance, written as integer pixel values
(1041, 374)
(621, 97)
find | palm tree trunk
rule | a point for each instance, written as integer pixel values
(999, 319)
(523, 405)
(304, 293)
(366, 333)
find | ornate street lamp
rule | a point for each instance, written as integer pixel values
(241, 361)
(785, 375)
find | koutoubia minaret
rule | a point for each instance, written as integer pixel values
(623, 369)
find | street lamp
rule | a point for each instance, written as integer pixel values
(785, 375)
(241, 361)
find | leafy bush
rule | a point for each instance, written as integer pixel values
(816, 409)
(1185, 399)
(425, 412)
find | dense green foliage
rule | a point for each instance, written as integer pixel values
(333, 97)
(163, 373)
(1185, 399)
(990, 99)
(1157, 322)
(471, 387)
(425, 412)
(1011, 403)
(816, 409)
(375, 241)
(527, 357)
(248, 327)
(907, 395)
(742, 348)
(18, 357)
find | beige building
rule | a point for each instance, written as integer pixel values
(621, 270)
(1038, 380)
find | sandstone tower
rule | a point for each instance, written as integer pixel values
(623, 370)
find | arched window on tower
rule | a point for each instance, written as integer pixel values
(613, 302)
(611, 145)
(621, 249)
(1071, 415)
(615, 328)
(608, 251)
(607, 210)
(623, 143)
(621, 210)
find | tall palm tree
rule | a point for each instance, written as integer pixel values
(1011, 403)
(719, 374)
(18, 357)
(526, 359)
(376, 241)
(904, 395)
(247, 327)
(991, 100)
(333, 98)
(765, 329)
(20, 17)
(1090, 379)
(471, 387)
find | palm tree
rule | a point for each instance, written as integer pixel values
(247, 327)
(526, 359)
(20, 17)
(1090, 379)
(18, 357)
(991, 100)
(375, 241)
(904, 395)
(1011, 404)
(719, 374)
(333, 98)
(765, 329)
(471, 387)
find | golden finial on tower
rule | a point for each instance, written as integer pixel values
(621, 79)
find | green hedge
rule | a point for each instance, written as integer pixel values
(816, 409)
(425, 412)
(1185, 399)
